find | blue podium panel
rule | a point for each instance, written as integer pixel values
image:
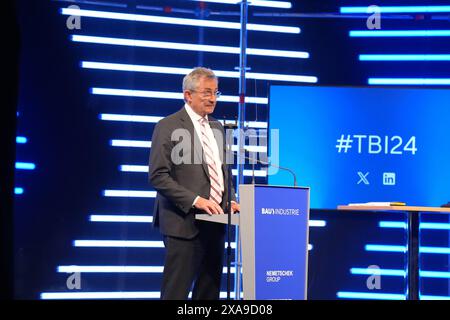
(274, 229)
(281, 242)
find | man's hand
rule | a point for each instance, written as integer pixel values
(208, 205)
(235, 207)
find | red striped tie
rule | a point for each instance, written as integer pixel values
(216, 189)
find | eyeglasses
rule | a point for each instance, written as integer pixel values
(208, 94)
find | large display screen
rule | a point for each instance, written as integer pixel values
(363, 144)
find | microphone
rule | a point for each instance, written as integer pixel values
(233, 126)
(268, 164)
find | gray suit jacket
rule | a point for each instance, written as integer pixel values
(178, 184)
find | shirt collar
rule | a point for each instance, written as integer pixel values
(192, 114)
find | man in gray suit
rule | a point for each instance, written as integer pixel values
(188, 172)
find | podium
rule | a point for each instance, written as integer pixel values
(273, 230)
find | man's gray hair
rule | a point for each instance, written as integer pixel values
(190, 81)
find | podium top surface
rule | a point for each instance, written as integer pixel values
(394, 208)
(272, 186)
(219, 218)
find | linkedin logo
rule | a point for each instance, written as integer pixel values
(389, 178)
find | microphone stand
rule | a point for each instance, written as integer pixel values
(253, 173)
(230, 126)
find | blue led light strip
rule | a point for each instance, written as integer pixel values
(399, 273)
(18, 190)
(129, 118)
(176, 21)
(249, 124)
(144, 169)
(129, 193)
(249, 173)
(130, 244)
(372, 296)
(124, 244)
(167, 95)
(437, 250)
(396, 9)
(400, 33)
(133, 168)
(427, 297)
(21, 140)
(381, 272)
(187, 46)
(120, 218)
(402, 249)
(118, 244)
(100, 295)
(25, 166)
(422, 225)
(434, 274)
(256, 3)
(392, 224)
(111, 295)
(131, 143)
(317, 223)
(404, 57)
(97, 3)
(385, 248)
(148, 144)
(434, 226)
(152, 119)
(184, 71)
(409, 81)
(149, 219)
(119, 269)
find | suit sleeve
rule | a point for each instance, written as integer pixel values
(160, 168)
